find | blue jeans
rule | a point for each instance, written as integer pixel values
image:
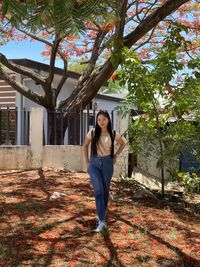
(101, 171)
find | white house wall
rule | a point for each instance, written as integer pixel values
(104, 104)
(108, 105)
(65, 92)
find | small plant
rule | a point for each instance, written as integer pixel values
(66, 166)
(191, 182)
(4, 253)
(172, 235)
(19, 165)
(2, 197)
(35, 162)
(76, 231)
(28, 206)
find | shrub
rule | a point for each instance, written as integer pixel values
(191, 182)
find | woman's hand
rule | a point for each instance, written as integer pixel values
(115, 158)
(85, 151)
(87, 165)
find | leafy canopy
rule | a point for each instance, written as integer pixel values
(168, 95)
(93, 33)
(60, 16)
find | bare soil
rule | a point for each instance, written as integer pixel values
(39, 228)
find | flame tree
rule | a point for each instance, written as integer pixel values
(95, 33)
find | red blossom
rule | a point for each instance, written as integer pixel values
(10, 33)
(113, 77)
(108, 27)
(103, 260)
(46, 53)
(72, 37)
(79, 52)
(80, 1)
(169, 89)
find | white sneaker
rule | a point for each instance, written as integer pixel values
(100, 227)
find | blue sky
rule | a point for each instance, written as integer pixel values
(25, 49)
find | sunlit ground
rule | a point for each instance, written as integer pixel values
(38, 230)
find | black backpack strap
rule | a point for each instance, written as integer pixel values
(92, 135)
(114, 133)
(113, 141)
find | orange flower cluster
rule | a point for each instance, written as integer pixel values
(80, 1)
(108, 27)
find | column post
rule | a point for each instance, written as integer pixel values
(36, 137)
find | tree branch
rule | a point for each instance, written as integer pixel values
(35, 37)
(45, 42)
(45, 83)
(119, 29)
(148, 40)
(22, 70)
(81, 97)
(93, 58)
(62, 81)
(151, 5)
(152, 20)
(54, 50)
(25, 91)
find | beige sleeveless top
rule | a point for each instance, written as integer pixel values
(104, 145)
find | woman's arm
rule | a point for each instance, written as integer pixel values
(122, 142)
(85, 149)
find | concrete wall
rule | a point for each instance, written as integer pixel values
(147, 172)
(147, 179)
(62, 157)
(51, 157)
(121, 166)
(15, 157)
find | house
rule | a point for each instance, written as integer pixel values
(37, 154)
(10, 98)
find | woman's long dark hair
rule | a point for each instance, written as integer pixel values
(97, 133)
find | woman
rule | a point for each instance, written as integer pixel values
(101, 161)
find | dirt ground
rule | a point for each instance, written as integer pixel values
(39, 228)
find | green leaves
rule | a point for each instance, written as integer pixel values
(194, 64)
(165, 101)
(191, 182)
(58, 16)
